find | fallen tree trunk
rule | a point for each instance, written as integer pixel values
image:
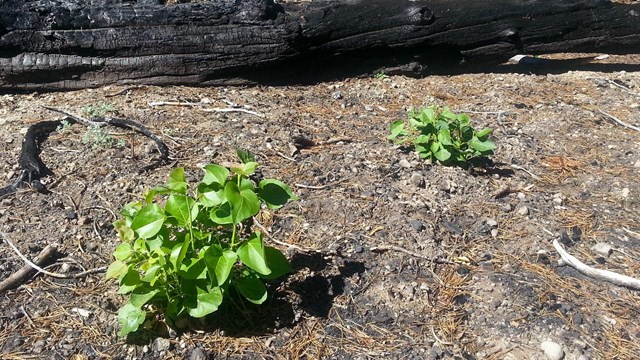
(71, 44)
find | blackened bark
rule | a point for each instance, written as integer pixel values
(70, 44)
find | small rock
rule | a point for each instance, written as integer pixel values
(625, 193)
(522, 210)
(336, 95)
(602, 249)
(492, 223)
(417, 180)
(161, 344)
(521, 196)
(403, 163)
(70, 215)
(197, 354)
(494, 232)
(637, 164)
(416, 225)
(552, 350)
(506, 208)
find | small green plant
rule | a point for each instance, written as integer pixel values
(381, 75)
(439, 134)
(183, 254)
(63, 127)
(97, 110)
(99, 137)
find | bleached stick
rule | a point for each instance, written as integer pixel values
(599, 274)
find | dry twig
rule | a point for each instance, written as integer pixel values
(620, 122)
(264, 230)
(436, 259)
(599, 274)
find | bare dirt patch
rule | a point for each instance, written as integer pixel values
(502, 295)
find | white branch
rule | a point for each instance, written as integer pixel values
(599, 274)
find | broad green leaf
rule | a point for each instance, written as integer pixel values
(251, 253)
(421, 139)
(148, 221)
(442, 155)
(123, 251)
(444, 136)
(220, 262)
(212, 194)
(244, 203)
(130, 210)
(175, 254)
(484, 132)
(139, 299)
(245, 156)
(183, 250)
(245, 169)
(150, 275)
(130, 318)
(125, 233)
(129, 281)
(215, 174)
(207, 303)
(482, 146)
(177, 182)
(183, 208)
(252, 289)
(117, 270)
(275, 193)
(221, 214)
(193, 269)
(397, 129)
(277, 263)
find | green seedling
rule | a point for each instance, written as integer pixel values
(439, 134)
(186, 249)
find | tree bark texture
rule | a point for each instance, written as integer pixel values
(72, 44)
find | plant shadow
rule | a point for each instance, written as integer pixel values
(289, 299)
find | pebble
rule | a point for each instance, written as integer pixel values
(637, 164)
(492, 223)
(522, 210)
(602, 249)
(625, 193)
(552, 350)
(417, 180)
(403, 163)
(197, 354)
(416, 225)
(521, 196)
(161, 344)
(494, 232)
(506, 208)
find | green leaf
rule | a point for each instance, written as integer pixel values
(421, 139)
(251, 253)
(150, 275)
(220, 262)
(148, 221)
(117, 270)
(215, 174)
(276, 262)
(397, 129)
(212, 194)
(183, 208)
(193, 269)
(484, 132)
(252, 289)
(130, 210)
(444, 136)
(177, 182)
(139, 299)
(129, 282)
(130, 318)
(246, 169)
(123, 251)
(442, 155)
(482, 146)
(125, 232)
(207, 303)
(245, 156)
(275, 193)
(222, 214)
(244, 203)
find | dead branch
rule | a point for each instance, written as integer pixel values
(606, 275)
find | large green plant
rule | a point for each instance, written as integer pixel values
(439, 134)
(184, 250)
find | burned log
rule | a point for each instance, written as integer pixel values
(71, 44)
